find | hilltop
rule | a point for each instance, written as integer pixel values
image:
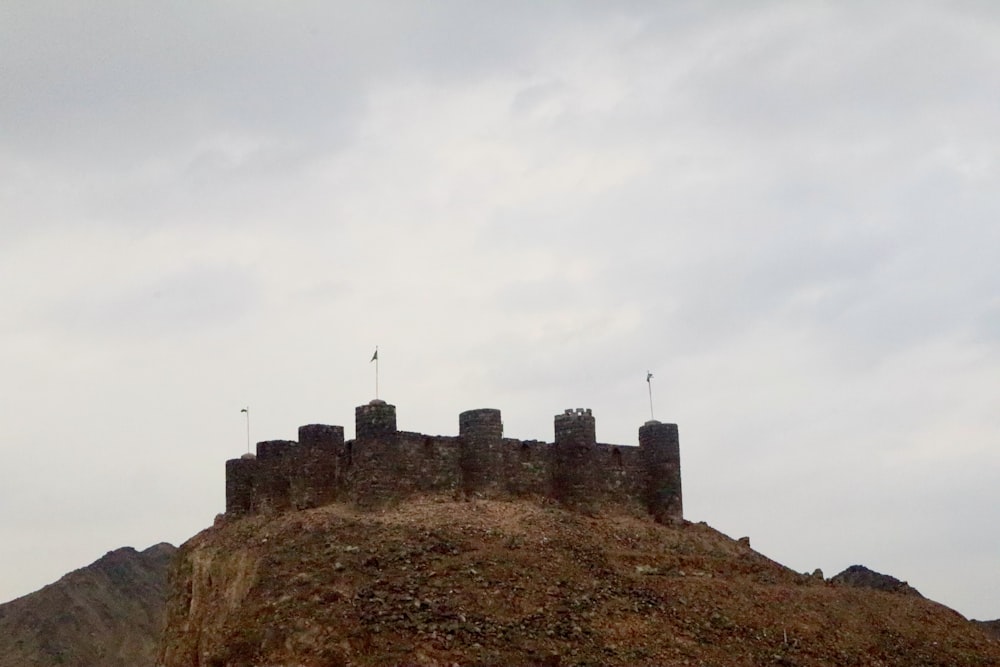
(108, 614)
(439, 581)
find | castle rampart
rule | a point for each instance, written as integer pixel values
(383, 464)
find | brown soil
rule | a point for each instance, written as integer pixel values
(443, 582)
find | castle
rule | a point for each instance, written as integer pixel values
(383, 464)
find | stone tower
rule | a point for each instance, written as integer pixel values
(375, 421)
(660, 453)
(481, 434)
(574, 458)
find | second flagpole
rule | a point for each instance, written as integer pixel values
(649, 378)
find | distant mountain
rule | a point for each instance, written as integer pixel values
(108, 614)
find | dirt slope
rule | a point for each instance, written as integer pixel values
(108, 614)
(440, 582)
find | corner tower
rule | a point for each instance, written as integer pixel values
(241, 484)
(660, 454)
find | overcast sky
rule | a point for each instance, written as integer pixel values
(786, 211)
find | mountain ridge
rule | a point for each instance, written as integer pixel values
(106, 614)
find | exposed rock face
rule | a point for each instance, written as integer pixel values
(437, 582)
(861, 577)
(108, 614)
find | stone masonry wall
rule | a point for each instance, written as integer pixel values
(481, 436)
(383, 465)
(576, 470)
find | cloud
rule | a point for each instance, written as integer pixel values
(185, 303)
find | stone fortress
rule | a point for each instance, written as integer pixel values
(383, 465)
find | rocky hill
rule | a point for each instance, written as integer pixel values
(108, 614)
(861, 577)
(435, 581)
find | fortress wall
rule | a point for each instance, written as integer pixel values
(373, 473)
(626, 481)
(611, 474)
(409, 463)
(321, 453)
(526, 467)
(428, 463)
(315, 478)
(385, 465)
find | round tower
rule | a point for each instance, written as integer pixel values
(574, 457)
(273, 487)
(241, 481)
(375, 421)
(660, 454)
(480, 432)
(318, 480)
(273, 450)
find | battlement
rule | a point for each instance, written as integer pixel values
(383, 464)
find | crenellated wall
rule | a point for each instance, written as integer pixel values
(383, 465)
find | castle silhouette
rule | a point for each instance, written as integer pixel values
(383, 465)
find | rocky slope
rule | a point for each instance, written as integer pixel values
(443, 582)
(108, 614)
(992, 627)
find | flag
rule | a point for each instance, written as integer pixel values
(374, 356)
(649, 376)
(245, 410)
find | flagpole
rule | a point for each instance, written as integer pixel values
(247, 411)
(375, 359)
(649, 378)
